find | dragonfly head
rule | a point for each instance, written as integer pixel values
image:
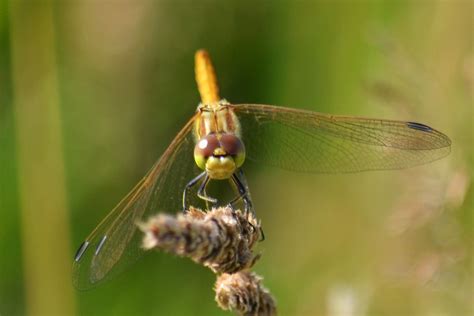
(219, 154)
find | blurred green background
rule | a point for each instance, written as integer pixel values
(92, 92)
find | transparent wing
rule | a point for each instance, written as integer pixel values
(313, 142)
(116, 242)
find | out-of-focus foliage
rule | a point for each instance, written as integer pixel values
(377, 243)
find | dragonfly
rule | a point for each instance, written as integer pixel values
(213, 146)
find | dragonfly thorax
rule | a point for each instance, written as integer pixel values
(219, 154)
(216, 118)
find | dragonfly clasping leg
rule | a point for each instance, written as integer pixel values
(201, 193)
(190, 184)
(243, 194)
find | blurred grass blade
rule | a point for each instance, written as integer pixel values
(45, 233)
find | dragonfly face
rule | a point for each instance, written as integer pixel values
(288, 138)
(219, 150)
(219, 155)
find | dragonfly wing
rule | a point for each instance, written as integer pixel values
(307, 141)
(116, 242)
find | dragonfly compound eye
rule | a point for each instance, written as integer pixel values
(234, 147)
(205, 148)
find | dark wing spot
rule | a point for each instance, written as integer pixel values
(100, 245)
(419, 126)
(81, 250)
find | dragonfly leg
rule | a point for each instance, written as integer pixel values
(208, 205)
(190, 184)
(244, 188)
(244, 195)
(202, 191)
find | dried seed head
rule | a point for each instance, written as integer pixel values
(221, 239)
(243, 293)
